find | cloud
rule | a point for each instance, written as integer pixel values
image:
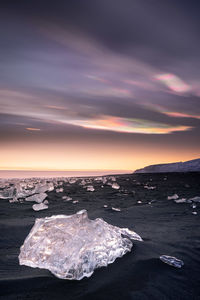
(126, 125)
(173, 82)
(180, 115)
(33, 129)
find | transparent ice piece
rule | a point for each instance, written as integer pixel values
(37, 197)
(195, 199)
(115, 186)
(173, 197)
(116, 209)
(183, 200)
(172, 261)
(71, 247)
(39, 206)
(90, 188)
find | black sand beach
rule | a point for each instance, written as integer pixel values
(166, 227)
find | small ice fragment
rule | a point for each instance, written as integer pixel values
(37, 197)
(149, 187)
(104, 180)
(59, 190)
(194, 213)
(13, 200)
(139, 202)
(195, 199)
(172, 261)
(105, 206)
(72, 180)
(116, 209)
(173, 197)
(193, 205)
(50, 186)
(115, 186)
(112, 178)
(73, 246)
(90, 188)
(188, 201)
(75, 201)
(183, 200)
(66, 198)
(83, 182)
(46, 202)
(40, 206)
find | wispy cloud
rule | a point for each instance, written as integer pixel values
(33, 129)
(126, 125)
(180, 115)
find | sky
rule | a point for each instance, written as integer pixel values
(98, 84)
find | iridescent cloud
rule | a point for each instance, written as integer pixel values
(173, 82)
(33, 129)
(180, 115)
(127, 125)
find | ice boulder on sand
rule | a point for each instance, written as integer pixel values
(71, 247)
(37, 197)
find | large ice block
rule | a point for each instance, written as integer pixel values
(71, 247)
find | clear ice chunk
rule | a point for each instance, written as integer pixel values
(172, 261)
(59, 190)
(90, 188)
(7, 193)
(72, 180)
(115, 186)
(116, 209)
(71, 247)
(173, 197)
(37, 197)
(183, 200)
(66, 198)
(13, 200)
(149, 187)
(39, 206)
(195, 199)
(43, 188)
